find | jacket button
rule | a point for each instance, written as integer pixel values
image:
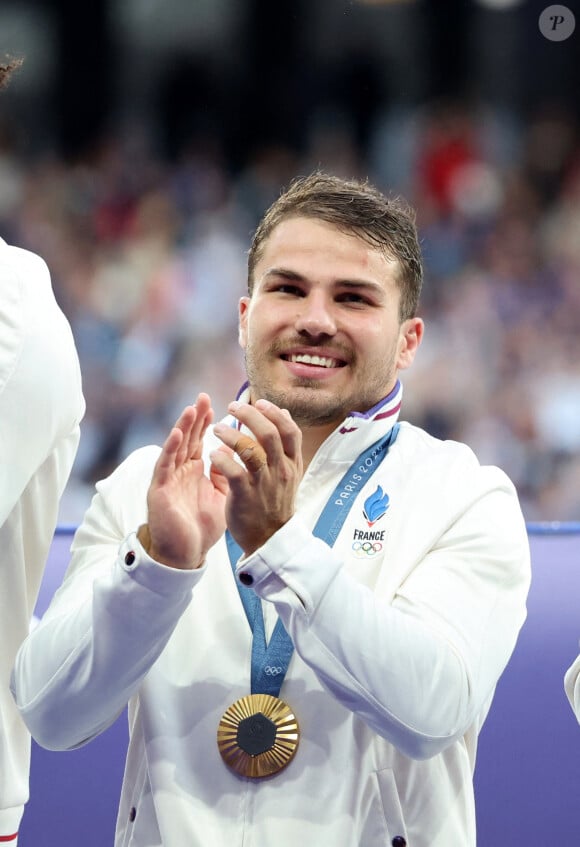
(132, 814)
(246, 578)
(399, 841)
(130, 558)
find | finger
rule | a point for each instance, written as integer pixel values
(242, 445)
(273, 428)
(203, 420)
(186, 424)
(264, 431)
(251, 453)
(222, 460)
(289, 432)
(218, 479)
(165, 464)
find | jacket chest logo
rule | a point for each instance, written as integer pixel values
(368, 541)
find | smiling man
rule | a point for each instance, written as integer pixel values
(322, 329)
(308, 605)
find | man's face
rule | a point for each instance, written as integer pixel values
(321, 331)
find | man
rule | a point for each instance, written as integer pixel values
(41, 405)
(398, 566)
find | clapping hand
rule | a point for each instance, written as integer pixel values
(186, 508)
(262, 491)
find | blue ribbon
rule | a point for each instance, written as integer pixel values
(270, 661)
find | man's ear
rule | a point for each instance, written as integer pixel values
(410, 338)
(243, 307)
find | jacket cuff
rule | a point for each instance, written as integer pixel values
(9, 824)
(291, 558)
(136, 563)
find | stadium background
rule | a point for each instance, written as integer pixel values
(143, 139)
(139, 145)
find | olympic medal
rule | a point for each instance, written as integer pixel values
(258, 735)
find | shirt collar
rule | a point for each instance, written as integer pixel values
(385, 411)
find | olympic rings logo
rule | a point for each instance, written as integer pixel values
(366, 548)
(270, 670)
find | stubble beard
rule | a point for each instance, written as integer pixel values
(309, 402)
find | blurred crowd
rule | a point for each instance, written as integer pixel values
(148, 260)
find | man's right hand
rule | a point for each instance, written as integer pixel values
(186, 508)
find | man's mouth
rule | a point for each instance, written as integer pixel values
(318, 361)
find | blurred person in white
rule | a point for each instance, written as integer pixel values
(307, 547)
(41, 405)
(572, 686)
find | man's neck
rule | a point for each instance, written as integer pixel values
(386, 409)
(312, 438)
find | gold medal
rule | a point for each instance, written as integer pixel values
(258, 735)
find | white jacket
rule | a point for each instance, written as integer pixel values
(41, 404)
(397, 654)
(572, 686)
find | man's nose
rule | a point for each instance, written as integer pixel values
(315, 315)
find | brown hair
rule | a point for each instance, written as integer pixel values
(358, 208)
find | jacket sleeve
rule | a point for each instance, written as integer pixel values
(106, 625)
(420, 669)
(41, 401)
(572, 687)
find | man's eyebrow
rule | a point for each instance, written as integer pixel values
(358, 284)
(367, 284)
(283, 272)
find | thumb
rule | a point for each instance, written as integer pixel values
(219, 481)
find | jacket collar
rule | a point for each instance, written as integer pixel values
(358, 430)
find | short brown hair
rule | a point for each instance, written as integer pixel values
(358, 208)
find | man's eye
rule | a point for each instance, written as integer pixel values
(287, 288)
(351, 297)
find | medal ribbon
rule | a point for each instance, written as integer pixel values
(270, 661)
